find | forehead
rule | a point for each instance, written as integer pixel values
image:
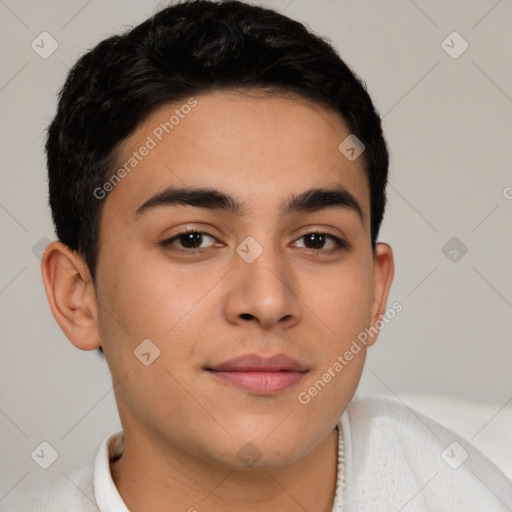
(257, 147)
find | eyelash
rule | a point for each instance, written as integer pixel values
(340, 244)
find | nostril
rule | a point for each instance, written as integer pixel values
(247, 316)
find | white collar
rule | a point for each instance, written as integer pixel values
(107, 496)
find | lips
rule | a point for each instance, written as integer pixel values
(254, 362)
(259, 375)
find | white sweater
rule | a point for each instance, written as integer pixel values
(390, 459)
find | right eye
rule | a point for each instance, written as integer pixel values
(190, 241)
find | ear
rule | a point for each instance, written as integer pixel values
(384, 269)
(71, 294)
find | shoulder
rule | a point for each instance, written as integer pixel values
(396, 455)
(69, 491)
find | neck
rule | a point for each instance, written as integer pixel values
(149, 479)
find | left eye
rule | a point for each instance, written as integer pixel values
(317, 241)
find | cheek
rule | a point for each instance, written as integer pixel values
(147, 298)
(341, 301)
(343, 304)
(152, 301)
(140, 302)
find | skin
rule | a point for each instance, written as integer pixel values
(184, 428)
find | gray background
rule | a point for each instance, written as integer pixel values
(449, 127)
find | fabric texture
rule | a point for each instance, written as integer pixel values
(390, 458)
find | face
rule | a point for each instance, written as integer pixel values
(254, 266)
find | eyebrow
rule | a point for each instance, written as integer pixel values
(311, 200)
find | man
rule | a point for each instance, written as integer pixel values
(217, 181)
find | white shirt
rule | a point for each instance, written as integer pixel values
(390, 459)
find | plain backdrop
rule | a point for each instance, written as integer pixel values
(447, 117)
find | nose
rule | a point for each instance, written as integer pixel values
(263, 291)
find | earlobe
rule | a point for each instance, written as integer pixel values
(384, 268)
(71, 295)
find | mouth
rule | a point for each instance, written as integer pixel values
(259, 375)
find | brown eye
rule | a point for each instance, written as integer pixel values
(317, 242)
(190, 240)
(187, 240)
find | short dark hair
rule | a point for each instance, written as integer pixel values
(191, 47)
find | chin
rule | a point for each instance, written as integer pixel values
(266, 451)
